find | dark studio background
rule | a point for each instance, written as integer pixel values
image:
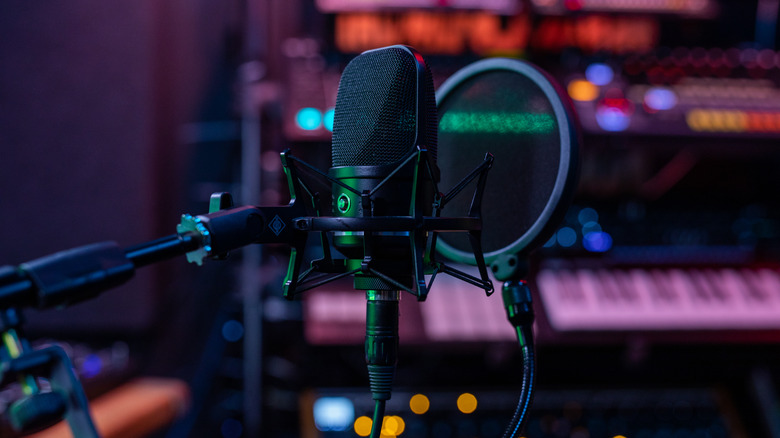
(117, 117)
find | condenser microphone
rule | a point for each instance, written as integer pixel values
(385, 110)
(385, 116)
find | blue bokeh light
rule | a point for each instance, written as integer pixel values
(612, 119)
(232, 330)
(308, 119)
(566, 237)
(597, 241)
(599, 74)
(590, 227)
(334, 414)
(91, 366)
(327, 119)
(586, 215)
(660, 99)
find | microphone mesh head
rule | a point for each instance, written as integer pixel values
(376, 119)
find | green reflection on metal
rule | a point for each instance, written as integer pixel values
(343, 203)
(496, 123)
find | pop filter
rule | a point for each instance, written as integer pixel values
(516, 112)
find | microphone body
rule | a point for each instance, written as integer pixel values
(385, 110)
(385, 115)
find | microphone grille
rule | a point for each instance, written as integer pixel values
(378, 117)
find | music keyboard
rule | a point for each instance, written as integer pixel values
(581, 299)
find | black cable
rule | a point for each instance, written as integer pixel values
(519, 309)
(381, 349)
(382, 345)
(379, 414)
(520, 416)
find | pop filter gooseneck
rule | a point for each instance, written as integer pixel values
(515, 111)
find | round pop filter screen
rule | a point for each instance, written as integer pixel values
(514, 111)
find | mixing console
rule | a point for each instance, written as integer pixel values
(625, 412)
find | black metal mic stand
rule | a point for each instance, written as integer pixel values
(78, 274)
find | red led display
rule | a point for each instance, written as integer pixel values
(454, 33)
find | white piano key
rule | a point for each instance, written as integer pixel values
(717, 279)
(618, 282)
(610, 291)
(550, 288)
(590, 286)
(683, 288)
(627, 286)
(735, 282)
(771, 281)
(708, 288)
(756, 284)
(665, 292)
(570, 286)
(642, 286)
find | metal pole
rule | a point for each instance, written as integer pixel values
(250, 284)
